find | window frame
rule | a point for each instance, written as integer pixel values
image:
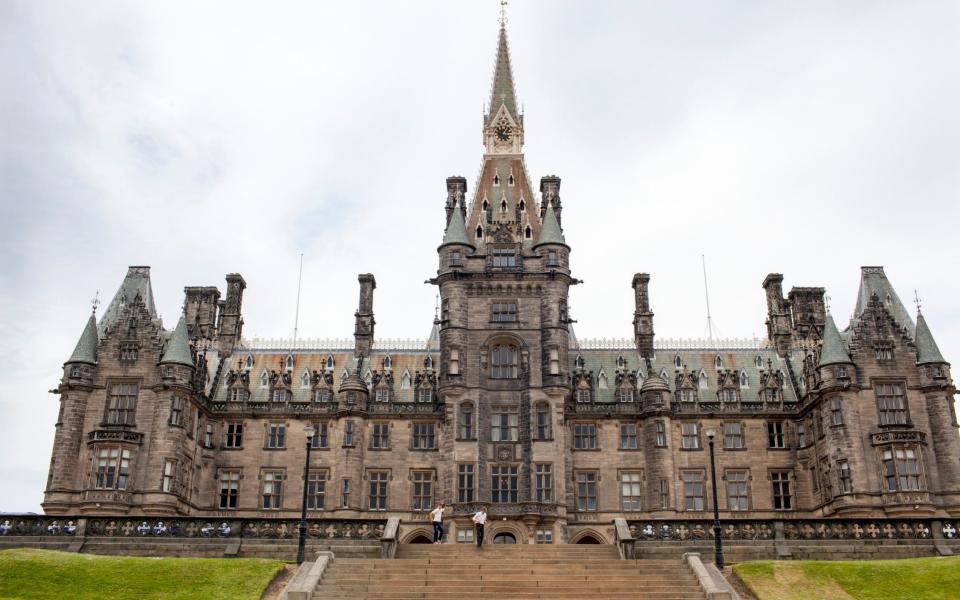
(228, 488)
(734, 436)
(776, 435)
(508, 474)
(378, 491)
(276, 438)
(686, 437)
(628, 440)
(586, 490)
(782, 489)
(585, 435)
(233, 435)
(466, 482)
(631, 500)
(317, 488)
(121, 404)
(112, 467)
(271, 489)
(505, 424)
(892, 415)
(422, 489)
(543, 482)
(738, 490)
(692, 502)
(423, 435)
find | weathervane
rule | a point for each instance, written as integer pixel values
(95, 302)
(503, 13)
(916, 299)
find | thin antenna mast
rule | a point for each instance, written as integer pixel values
(296, 314)
(706, 293)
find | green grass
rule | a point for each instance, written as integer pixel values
(909, 579)
(40, 574)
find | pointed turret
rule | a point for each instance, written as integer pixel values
(833, 351)
(86, 350)
(177, 350)
(502, 92)
(135, 284)
(927, 350)
(457, 229)
(873, 281)
(550, 233)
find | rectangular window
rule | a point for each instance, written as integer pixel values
(733, 436)
(351, 398)
(208, 435)
(883, 352)
(347, 434)
(583, 396)
(234, 435)
(382, 395)
(892, 403)
(464, 536)
(836, 411)
(630, 490)
(280, 395)
(693, 491)
(586, 490)
(113, 468)
(660, 440)
(690, 436)
(503, 312)
(543, 422)
(169, 475)
(345, 490)
(238, 395)
(380, 439)
(775, 437)
(176, 411)
(425, 396)
(504, 257)
(466, 422)
(737, 497)
(322, 396)
(901, 469)
(316, 489)
(504, 483)
(544, 536)
(687, 396)
(543, 482)
(453, 367)
(552, 258)
(422, 490)
(455, 259)
(801, 434)
(378, 489)
(504, 424)
(464, 483)
(276, 435)
(229, 489)
(320, 436)
(554, 362)
(585, 436)
(844, 477)
(664, 494)
(782, 496)
(122, 404)
(625, 395)
(424, 436)
(628, 436)
(272, 490)
(128, 352)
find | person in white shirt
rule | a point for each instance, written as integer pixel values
(479, 520)
(436, 515)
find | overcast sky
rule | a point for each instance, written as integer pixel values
(201, 138)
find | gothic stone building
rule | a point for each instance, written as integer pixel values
(502, 406)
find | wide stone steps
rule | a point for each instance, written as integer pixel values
(463, 572)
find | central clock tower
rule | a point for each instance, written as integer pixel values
(503, 123)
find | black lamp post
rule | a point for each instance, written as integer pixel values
(717, 541)
(309, 431)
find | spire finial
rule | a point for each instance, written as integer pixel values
(916, 299)
(826, 302)
(95, 302)
(503, 13)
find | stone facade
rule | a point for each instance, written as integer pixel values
(502, 406)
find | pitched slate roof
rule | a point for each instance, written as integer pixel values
(502, 92)
(874, 281)
(456, 232)
(551, 232)
(177, 349)
(833, 350)
(927, 350)
(136, 283)
(86, 350)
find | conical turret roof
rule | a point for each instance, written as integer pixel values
(927, 350)
(177, 349)
(551, 232)
(457, 229)
(833, 351)
(86, 350)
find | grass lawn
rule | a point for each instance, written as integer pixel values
(935, 578)
(28, 573)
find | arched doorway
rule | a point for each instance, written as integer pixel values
(421, 539)
(588, 539)
(504, 538)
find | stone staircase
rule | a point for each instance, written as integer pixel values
(463, 572)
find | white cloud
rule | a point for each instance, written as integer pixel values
(204, 139)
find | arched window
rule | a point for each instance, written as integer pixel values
(579, 362)
(523, 205)
(503, 362)
(496, 180)
(289, 362)
(329, 364)
(343, 375)
(485, 204)
(479, 232)
(744, 380)
(718, 362)
(602, 381)
(405, 381)
(264, 379)
(677, 361)
(428, 363)
(387, 362)
(305, 379)
(511, 180)
(703, 380)
(621, 362)
(249, 361)
(503, 206)
(758, 361)
(664, 376)
(528, 233)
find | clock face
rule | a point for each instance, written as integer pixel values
(502, 132)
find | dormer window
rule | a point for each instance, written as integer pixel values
(718, 363)
(527, 232)
(249, 363)
(280, 395)
(677, 362)
(425, 395)
(289, 362)
(522, 205)
(503, 206)
(602, 381)
(264, 379)
(485, 205)
(428, 363)
(729, 395)
(744, 380)
(703, 380)
(578, 362)
(405, 381)
(329, 363)
(621, 362)
(841, 372)
(75, 371)
(496, 180)
(758, 361)
(305, 379)
(387, 362)
(511, 180)
(583, 396)
(480, 230)
(625, 395)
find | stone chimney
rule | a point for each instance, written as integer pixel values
(778, 314)
(230, 327)
(200, 311)
(642, 317)
(363, 330)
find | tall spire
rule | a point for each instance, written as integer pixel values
(502, 92)
(927, 350)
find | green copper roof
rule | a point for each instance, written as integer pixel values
(874, 281)
(177, 349)
(86, 350)
(833, 350)
(927, 351)
(551, 233)
(457, 230)
(136, 283)
(502, 92)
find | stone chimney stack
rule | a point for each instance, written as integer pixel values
(200, 311)
(550, 193)
(456, 191)
(778, 314)
(230, 327)
(642, 317)
(363, 330)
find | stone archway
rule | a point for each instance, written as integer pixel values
(588, 536)
(504, 537)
